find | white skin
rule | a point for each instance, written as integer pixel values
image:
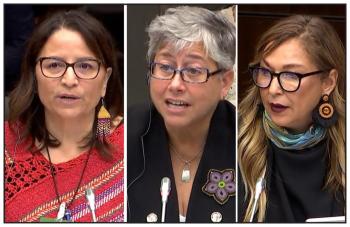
(297, 117)
(188, 125)
(69, 120)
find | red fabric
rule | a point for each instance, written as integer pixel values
(29, 188)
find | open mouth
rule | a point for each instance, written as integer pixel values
(176, 103)
(277, 107)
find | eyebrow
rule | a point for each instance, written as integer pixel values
(77, 60)
(165, 54)
(193, 56)
(285, 67)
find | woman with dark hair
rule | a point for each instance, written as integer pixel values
(64, 137)
(186, 137)
(292, 125)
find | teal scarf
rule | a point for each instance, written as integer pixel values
(285, 140)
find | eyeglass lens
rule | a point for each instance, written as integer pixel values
(56, 68)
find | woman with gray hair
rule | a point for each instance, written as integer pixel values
(184, 142)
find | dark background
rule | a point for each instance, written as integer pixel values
(253, 20)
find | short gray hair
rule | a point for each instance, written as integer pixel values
(184, 25)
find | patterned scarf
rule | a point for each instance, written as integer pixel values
(285, 140)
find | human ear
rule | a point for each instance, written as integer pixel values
(105, 82)
(329, 82)
(227, 80)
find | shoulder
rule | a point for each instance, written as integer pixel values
(225, 114)
(15, 146)
(116, 138)
(139, 117)
(227, 107)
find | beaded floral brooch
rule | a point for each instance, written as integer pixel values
(220, 184)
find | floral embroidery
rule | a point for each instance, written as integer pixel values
(220, 184)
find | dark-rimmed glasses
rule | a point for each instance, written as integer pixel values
(87, 69)
(288, 81)
(188, 74)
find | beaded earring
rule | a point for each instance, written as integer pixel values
(103, 122)
(324, 114)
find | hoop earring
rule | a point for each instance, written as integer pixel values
(324, 114)
(103, 122)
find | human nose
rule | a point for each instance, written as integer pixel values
(275, 87)
(176, 83)
(69, 78)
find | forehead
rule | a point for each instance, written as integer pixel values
(194, 50)
(289, 53)
(65, 41)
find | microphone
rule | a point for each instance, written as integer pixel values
(260, 184)
(164, 192)
(90, 196)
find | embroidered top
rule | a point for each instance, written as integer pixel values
(29, 187)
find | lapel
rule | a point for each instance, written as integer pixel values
(158, 165)
(219, 154)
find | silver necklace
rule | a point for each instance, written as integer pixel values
(186, 172)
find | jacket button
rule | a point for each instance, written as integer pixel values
(216, 217)
(152, 217)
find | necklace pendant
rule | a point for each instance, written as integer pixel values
(186, 174)
(61, 211)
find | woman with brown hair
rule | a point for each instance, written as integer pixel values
(64, 137)
(292, 125)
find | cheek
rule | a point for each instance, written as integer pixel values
(304, 103)
(156, 89)
(93, 91)
(263, 95)
(307, 97)
(44, 88)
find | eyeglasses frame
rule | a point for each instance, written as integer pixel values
(209, 74)
(278, 75)
(69, 65)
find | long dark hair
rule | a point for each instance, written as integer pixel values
(25, 107)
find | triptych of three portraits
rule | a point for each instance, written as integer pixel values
(232, 113)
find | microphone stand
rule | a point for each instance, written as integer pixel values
(164, 191)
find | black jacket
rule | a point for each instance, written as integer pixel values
(150, 162)
(294, 184)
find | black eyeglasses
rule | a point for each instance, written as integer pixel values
(87, 69)
(188, 74)
(289, 81)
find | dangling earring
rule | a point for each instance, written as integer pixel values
(103, 122)
(324, 114)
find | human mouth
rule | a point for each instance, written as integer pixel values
(68, 98)
(173, 103)
(278, 108)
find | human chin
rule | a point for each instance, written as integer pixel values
(279, 120)
(176, 121)
(71, 113)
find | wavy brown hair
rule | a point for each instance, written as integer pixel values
(25, 107)
(325, 49)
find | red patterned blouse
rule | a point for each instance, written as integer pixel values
(30, 191)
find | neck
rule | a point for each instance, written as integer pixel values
(190, 141)
(69, 131)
